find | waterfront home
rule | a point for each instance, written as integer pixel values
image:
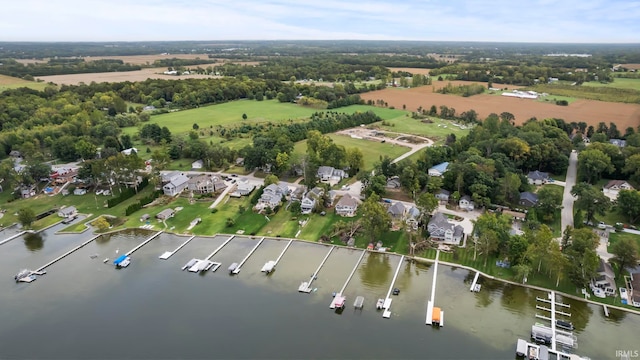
(297, 194)
(397, 210)
(202, 184)
(605, 278)
(272, 195)
(413, 217)
(244, 188)
(176, 185)
(443, 196)
(634, 297)
(167, 177)
(307, 204)
(440, 229)
(29, 191)
(347, 206)
(537, 177)
(465, 203)
(165, 214)
(439, 169)
(325, 173)
(528, 199)
(68, 212)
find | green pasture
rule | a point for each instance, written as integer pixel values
(9, 82)
(620, 83)
(437, 131)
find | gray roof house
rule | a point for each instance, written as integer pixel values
(325, 173)
(413, 217)
(347, 206)
(166, 177)
(176, 185)
(528, 199)
(614, 186)
(307, 205)
(537, 177)
(442, 195)
(244, 188)
(618, 142)
(67, 212)
(165, 214)
(201, 184)
(441, 229)
(465, 203)
(393, 182)
(397, 210)
(605, 278)
(272, 195)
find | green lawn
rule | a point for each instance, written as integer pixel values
(282, 224)
(617, 236)
(8, 82)
(437, 131)
(620, 83)
(372, 150)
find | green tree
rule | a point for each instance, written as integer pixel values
(375, 185)
(271, 179)
(629, 204)
(101, 223)
(583, 261)
(549, 202)
(592, 163)
(375, 218)
(85, 149)
(591, 200)
(26, 217)
(8, 174)
(244, 116)
(625, 254)
(632, 167)
(558, 262)
(426, 203)
(355, 160)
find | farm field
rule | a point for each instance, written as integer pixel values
(620, 83)
(120, 76)
(143, 59)
(9, 82)
(372, 150)
(411, 70)
(590, 111)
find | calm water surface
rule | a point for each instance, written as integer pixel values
(86, 309)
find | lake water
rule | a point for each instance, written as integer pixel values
(86, 309)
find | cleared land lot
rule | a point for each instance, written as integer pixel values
(411, 70)
(120, 76)
(590, 111)
(8, 82)
(620, 83)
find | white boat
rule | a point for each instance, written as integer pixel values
(623, 294)
(380, 304)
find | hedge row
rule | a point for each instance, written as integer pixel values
(126, 194)
(144, 201)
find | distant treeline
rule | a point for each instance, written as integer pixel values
(174, 62)
(11, 67)
(463, 90)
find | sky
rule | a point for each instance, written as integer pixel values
(558, 21)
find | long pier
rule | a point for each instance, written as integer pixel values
(306, 286)
(237, 269)
(282, 253)
(475, 282)
(168, 254)
(12, 237)
(66, 254)
(144, 243)
(429, 317)
(387, 302)
(219, 248)
(352, 272)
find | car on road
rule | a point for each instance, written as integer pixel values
(602, 225)
(345, 187)
(234, 175)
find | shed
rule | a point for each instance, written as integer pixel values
(145, 217)
(165, 214)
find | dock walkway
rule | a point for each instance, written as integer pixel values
(475, 287)
(387, 302)
(40, 269)
(305, 287)
(431, 302)
(169, 254)
(238, 268)
(219, 248)
(144, 243)
(13, 237)
(355, 267)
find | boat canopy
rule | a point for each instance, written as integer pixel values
(119, 259)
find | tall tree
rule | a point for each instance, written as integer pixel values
(549, 202)
(591, 200)
(625, 254)
(426, 203)
(629, 204)
(375, 218)
(592, 163)
(26, 217)
(582, 258)
(355, 160)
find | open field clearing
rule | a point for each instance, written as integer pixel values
(631, 66)
(590, 111)
(120, 76)
(411, 70)
(620, 83)
(8, 82)
(372, 150)
(437, 130)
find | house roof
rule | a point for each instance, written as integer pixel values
(443, 192)
(347, 201)
(439, 220)
(442, 167)
(515, 214)
(529, 196)
(413, 212)
(165, 213)
(316, 192)
(618, 142)
(197, 162)
(466, 198)
(68, 210)
(168, 176)
(179, 180)
(397, 209)
(617, 183)
(538, 175)
(605, 269)
(325, 170)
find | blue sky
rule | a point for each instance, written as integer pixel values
(435, 20)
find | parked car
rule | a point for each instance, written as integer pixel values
(602, 225)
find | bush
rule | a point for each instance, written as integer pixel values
(214, 210)
(562, 102)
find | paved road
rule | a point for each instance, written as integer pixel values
(568, 199)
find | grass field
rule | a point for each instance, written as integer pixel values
(372, 150)
(620, 83)
(8, 82)
(617, 236)
(437, 131)
(553, 98)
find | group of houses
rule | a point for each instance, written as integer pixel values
(174, 183)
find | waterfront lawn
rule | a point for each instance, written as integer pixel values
(394, 241)
(319, 225)
(282, 224)
(437, 131)
(372, 150)
(615, 236)
(47, 221)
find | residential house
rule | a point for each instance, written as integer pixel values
(197, 165)
(307, 204)
(465, 203)
(297, 194)
(218, 184)
(129, 151)
(332, 197)
(393, 182)
(149, 108)
(537, 177)
(272, 195)
(63, 175)
(79, 191)
(298, 170)
(27, 191)
(325, 173)
(605, 278)
(347, 206)
(165, 214)
(443, 196)
(440, 229)
(413, 217)
(240, 161)
(634, 297)
(397, 210)
(167, 177)
(515, 215)
(15, 154)
(176, 185)
(439, 169)
(613, 187)
(202, 184)
(68, 212)
(244, 188)
(618, 142)
(316, 192)
(528, 199)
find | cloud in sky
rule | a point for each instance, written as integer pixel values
(435, 20)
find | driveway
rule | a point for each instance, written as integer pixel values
(567, 198)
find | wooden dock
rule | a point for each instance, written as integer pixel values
(12, 237)
(305, 287)
(168, 254)
(430, 303)
(143, 243)
(219, 248)
(238, 268)
(475, 287)
(66, 254)
(606, 310)
(355, 267)
(387, 302)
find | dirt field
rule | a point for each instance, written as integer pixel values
(631, 66)
(119, 76)
(590, 111)
(411, 70)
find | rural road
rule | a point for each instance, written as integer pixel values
(567, 198)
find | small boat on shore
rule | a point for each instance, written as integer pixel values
(380, 304)
(565, 325)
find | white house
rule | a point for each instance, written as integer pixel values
(198, 164)
(129, 151)
(28, 191)
(439, 169)
(176, 185)
(605, 278)
(165, 214)
(244, 188)
(202, 184)
(68, 212)
(440, 229)
(413, 217)
(537, 177)
(347, 206)
(613, 187)
(79, 191)
(465, 203)
(443, 196)
(325, 173)
(307, 205)
(272, 195)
